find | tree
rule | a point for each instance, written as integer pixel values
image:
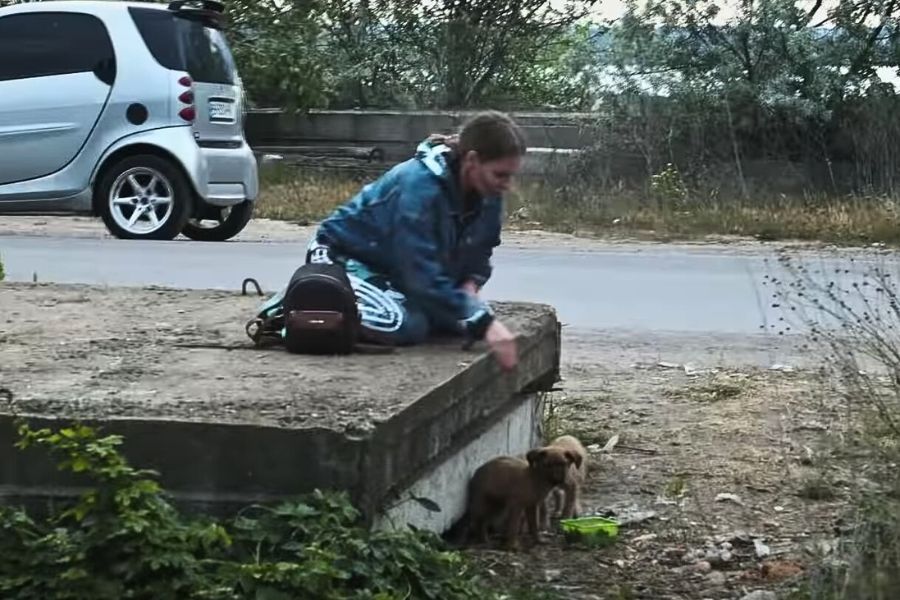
(778, 79)
(281, 50)
(456, 51)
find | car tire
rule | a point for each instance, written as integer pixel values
(144, 197)
(238, 217)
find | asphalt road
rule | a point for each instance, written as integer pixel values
(656, 289)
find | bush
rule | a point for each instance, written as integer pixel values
(851, 310)
(123, 539)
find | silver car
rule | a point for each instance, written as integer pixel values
(130, 111)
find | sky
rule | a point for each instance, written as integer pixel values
(612, 9)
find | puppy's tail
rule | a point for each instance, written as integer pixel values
(458, 534)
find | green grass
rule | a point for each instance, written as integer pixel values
(306, 195)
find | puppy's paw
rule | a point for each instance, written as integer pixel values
(542, 539)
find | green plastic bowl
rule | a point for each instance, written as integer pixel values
(590, 531)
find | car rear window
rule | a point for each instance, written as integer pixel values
(184, 45)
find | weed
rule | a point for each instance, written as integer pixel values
(664, 211)
(676, 487)
(817, 487)
(713, 391)
(624, 592)
(850, 309)
(122, 539)
(865, 566)
(551, 422)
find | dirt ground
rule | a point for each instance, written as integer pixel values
(725, 465)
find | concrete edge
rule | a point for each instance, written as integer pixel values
(199, 464)
(436, 500)
(453, 414)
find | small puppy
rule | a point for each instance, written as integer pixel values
(514, 489)
(567, 495)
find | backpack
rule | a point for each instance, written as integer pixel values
(315, 314)
(320, 313)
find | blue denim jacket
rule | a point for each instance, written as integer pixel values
(408, 225)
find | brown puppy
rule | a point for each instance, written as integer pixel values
(567, 495)
(515, 489)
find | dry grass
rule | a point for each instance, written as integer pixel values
(840, 220)
(854, 324)
(307, 194)
(715, 390)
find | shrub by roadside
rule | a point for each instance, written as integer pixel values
(122, 539)
(851, 308)
(307, 195)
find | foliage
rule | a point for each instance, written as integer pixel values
(711, 87)
(280, 50)
(390, 53)
(668, 187)
(850, 309)
(866, 564)
(122, 539)
(2, 271)
(458, 51)
(558, 74)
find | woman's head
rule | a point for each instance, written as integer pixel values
(490, 146)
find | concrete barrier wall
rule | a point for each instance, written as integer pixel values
(553, 140)
(398, 132)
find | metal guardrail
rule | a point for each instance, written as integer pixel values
(367, 153)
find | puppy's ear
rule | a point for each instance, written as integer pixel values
(573, 457)
(534, 456)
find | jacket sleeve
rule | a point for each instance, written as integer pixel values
(419, 271)
(478, 267)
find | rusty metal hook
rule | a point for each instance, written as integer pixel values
(255, 284)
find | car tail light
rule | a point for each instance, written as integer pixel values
(188, 113)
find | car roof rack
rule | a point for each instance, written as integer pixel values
(209, 12)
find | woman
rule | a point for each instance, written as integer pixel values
(417, 242)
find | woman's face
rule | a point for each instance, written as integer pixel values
(491, 177)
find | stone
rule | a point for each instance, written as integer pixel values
(761, 595)
(702, 566)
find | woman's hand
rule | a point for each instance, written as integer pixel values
(470, 288)
(503, 344)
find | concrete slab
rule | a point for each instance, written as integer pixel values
(227, 424)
